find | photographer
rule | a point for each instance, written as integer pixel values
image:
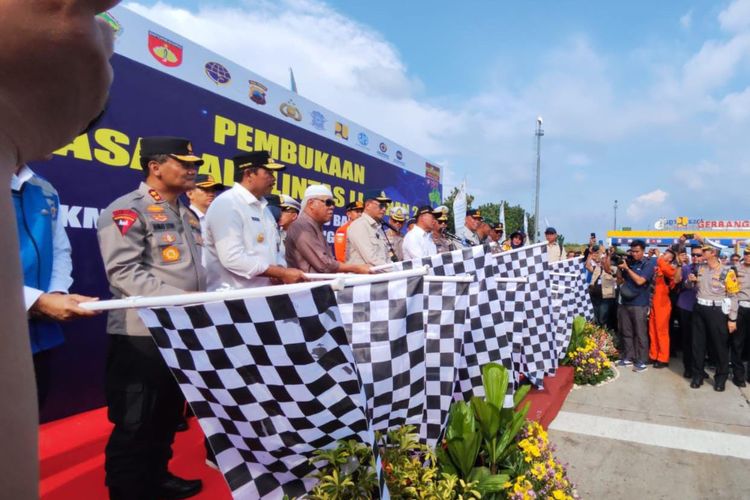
(603, 286)
(634, 274)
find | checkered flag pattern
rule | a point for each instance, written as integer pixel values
(527, 310)
(270, 379)
(563, 320)
(581, 300)
(384, 323)
(444, 318)
(485, 339)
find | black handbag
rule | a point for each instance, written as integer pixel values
(627, 292)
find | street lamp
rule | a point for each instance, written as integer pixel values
(539, 133)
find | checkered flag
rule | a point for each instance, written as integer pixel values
(385, 326)
(572, 273)
(270, 379)
(527, 310)
(563, 320)
(444, 318)
(485, 340)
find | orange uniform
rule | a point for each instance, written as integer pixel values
(661, 309)
(339, 242)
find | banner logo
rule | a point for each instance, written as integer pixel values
(318, 120)
(399, 155)
(289, 110)
(258, 92)
(383, 147)
(363, 139)
(165, 51)
(217, 73)
(342, 131)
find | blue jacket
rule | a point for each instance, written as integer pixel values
(37, 206)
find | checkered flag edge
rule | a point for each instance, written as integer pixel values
(270, 379)
(527, 310)
(445, 313)
(485, 338)
(579, 301)
(385, 325)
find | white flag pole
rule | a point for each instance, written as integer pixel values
(202, 297)
(459, 209)
(361, 279)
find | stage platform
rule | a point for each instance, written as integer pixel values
(71, 450)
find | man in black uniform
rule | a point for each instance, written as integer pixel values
(151, 245)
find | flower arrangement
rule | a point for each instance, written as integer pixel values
(538, 474)
(604, 339)
(591, 365)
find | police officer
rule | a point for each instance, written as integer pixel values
(442, 242)
(151, 245)
(366, 240)
(714, 315)
(739, 338)
(471, 223)
(243, 244)
(353, 212)
(393, 233)
(201, 197)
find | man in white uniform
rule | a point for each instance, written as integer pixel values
(418, 242)
(242, 243)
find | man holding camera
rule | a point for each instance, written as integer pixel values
(634, 274)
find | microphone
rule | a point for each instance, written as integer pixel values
(385, 224)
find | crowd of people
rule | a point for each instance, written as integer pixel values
(688, 298)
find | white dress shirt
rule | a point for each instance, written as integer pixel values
(62, 265)
(418, 243)
(240, 240)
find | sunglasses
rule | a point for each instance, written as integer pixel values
(328, 202)
(383, 206)
(697, 255)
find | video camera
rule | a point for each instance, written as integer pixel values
(617, 258)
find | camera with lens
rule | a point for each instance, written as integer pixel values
(618, 258)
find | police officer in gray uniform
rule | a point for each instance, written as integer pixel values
(151, 245)
(714, 316)
(471, 223)
(740, 337)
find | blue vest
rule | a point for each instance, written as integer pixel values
(37, 206)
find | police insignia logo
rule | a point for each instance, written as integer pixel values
(124, 220)
(217, 73)
(194, 223)
(383, 147)
(399, 155)
(289, 110)
(168, 238)
(164, 50)
(156, 196)
(363, 139)
(261, 238)
(154, 209)
(170, 254)
(257, 92)
(342, 131)
(318, 120)
(159, 217)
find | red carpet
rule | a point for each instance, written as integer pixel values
(72, 449)
(545, 404)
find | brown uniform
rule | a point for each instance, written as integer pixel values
(307, 249)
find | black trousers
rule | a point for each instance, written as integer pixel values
(43, 375)
(144, 403)
(710, 327)
(686, 336)
(737, 343)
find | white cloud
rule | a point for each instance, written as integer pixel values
(736, 16)
(646, 204)
(695, 177)
(686, 21)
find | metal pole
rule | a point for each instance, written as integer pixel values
(539, 133)
(615, 228)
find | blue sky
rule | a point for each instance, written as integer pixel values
(644, 102)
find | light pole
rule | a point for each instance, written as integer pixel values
(539, 133)
(615, 228)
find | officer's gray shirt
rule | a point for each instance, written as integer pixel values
(149, 248)
(743, 277)
(470, 236)
(365, 242)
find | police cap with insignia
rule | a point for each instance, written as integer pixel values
(377, 195)
(398, 215)
(746, 251)
(178, 148)
(289, 204)
(443, 218)
(498, 227)
(411, 222)
(355, 205)
(206, 181)
(426, 209)
(256, 159)
(474, 213)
